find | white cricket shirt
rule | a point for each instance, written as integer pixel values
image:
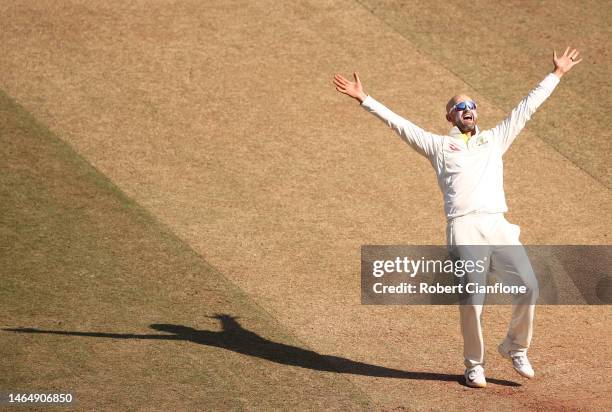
(470, 175)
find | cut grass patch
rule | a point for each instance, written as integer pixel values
(105, 302)
(503, 49)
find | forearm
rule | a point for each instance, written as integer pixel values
(507, 130)
(416, 137)
(391, 119)
(541, 92)
(558, 72)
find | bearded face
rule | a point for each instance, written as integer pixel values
(461, 112)
(465, 120)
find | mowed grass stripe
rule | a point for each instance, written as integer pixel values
(105, 302)
(503, 49)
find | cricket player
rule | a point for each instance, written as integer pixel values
(469, 168)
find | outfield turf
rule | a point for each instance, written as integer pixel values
(502, 48)
(186, 169)
(101, 300)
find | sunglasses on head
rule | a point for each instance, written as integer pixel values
(461, 106)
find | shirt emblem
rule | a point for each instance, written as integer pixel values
(454, 147)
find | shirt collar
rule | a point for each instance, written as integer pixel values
(455, 132)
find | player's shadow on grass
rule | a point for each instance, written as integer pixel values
(237, 339)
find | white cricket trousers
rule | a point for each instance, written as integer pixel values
(497, 242)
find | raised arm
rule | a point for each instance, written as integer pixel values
(423, 142)
(508, 130)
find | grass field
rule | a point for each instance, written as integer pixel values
(184, 197)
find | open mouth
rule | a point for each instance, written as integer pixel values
(468, 116)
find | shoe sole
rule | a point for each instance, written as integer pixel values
(507, 356)
(476, 385)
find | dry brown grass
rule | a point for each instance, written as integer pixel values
(87, 275)
(501, 49)
(221, 122)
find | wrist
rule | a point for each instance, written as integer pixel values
(557, 72)
(361, 97)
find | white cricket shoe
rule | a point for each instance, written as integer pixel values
(520, 362)
(475, 377)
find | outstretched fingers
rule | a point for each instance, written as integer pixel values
(340, 79)
(340, 82)
(566, 50)
(339, 86)
(353, 89)
(574, 54)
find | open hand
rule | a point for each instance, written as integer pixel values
(564, 64)
(353, 89)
